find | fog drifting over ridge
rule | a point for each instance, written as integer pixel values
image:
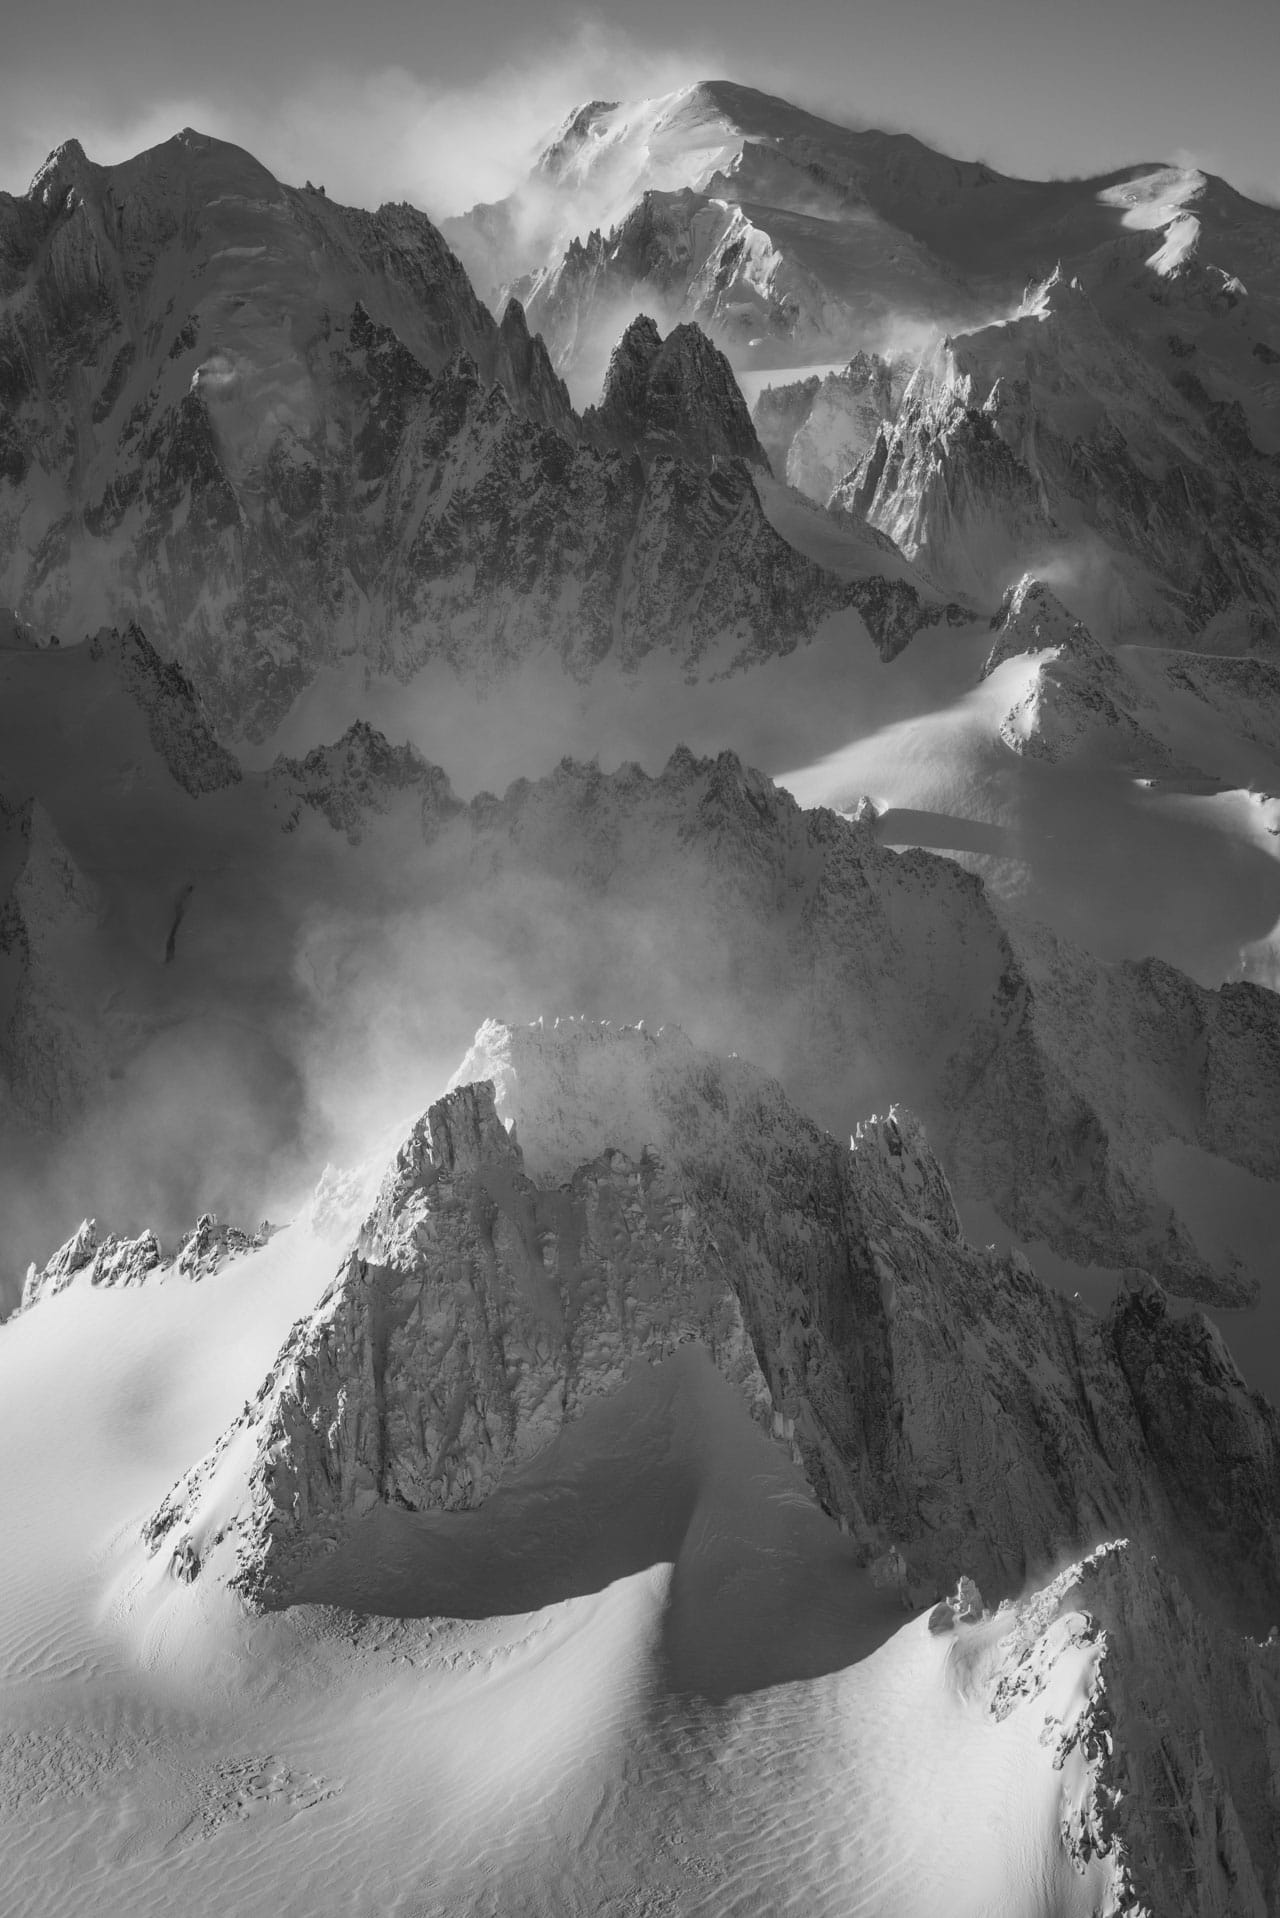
(427, 131)
(386, 134)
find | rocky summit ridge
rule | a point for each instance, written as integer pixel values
(403, 478)
(1080, 368)
(945, 1405)
(1055, 1087)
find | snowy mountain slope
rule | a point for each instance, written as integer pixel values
(483, 1310)
(1124, 797)
(875, 1331)
(759, 219)
(282, 433)
(1116, 459)
(751, 214)
(1096, 357)
(1081, 701)
(683, 1694)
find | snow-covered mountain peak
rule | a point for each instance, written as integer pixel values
(1032, 619)
(1150, 197)
(90, 1257)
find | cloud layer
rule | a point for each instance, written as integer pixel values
(383, 135)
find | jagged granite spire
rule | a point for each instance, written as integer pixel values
(676, 395)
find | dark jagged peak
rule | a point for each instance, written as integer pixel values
(360, 775)
(524, 368)
(676, 395)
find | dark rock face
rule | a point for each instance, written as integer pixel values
(1221, 1442)
(942, 1401)
(675, 396)
(359, 775)
(403, 472)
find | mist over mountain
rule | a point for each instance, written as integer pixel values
(639, 1033)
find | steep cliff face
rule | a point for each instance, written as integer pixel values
(114, 1259)
(675, 396)
(277, 431)
(1081, 700)
(1093, 355)
(1168, 1748)
(844, 421)
(943, 1402)
(479, 1314)
(1053, 1085)
(1047, 1079)
(1060, 433)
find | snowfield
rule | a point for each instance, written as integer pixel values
(563, 1701)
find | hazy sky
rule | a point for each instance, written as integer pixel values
(441, 103)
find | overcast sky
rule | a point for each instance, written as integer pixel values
(442, 103)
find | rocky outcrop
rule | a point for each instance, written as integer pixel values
(1053, 1085)
(116, 1260)
(946, 486)
(944, 1404)
(1057, 433)
(779, 413)
(841, 423)
(1080, 700)
(359, 777)
(480, 1313)
(1032, 619)
(1046, 1078)
(1179, 1741)
(675, 396)
(1103, 393)
(408, 480)
(106, 1261)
